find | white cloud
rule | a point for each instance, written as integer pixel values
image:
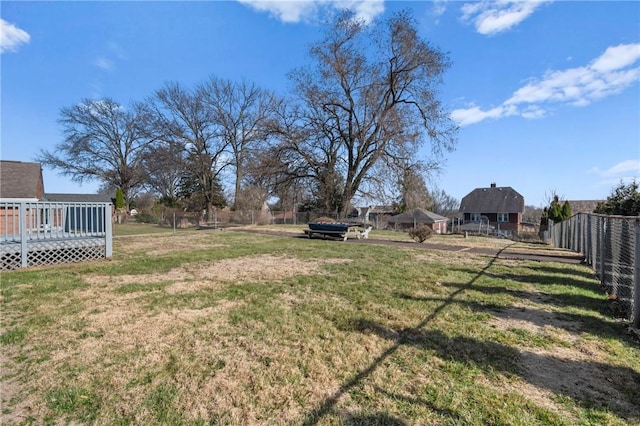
(475, 114)
(11, 37)
(625, 171)
(492, 17)
(286, 11)
(610, 73)
(617, 57)
(307, 10)
(532, 112)
(116, 50)
(618, 170)
(104, 63)
(580, 86)
(110, 56)
(439, 7)
(365, 10)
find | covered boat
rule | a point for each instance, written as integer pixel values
(337, 230)
(329, 226)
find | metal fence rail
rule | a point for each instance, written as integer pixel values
(611, 245)
(45, 233)
(223, 218)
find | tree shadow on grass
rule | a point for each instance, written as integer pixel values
(598, 303)
(572, 322)
(375, 419)
(589, 275)
(590, 384)
(619, 398)
(542, 278)
(541, 256)
(562, 300)
(328, 404)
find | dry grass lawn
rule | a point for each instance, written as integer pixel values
(221, 327)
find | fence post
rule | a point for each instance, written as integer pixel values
(587, 241)
(24, 251)
(603, 232)
(636, 280)
(108, 221)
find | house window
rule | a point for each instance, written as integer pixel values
(503, 217)
(474, 217)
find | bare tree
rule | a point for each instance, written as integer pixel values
(164, 167)
(532, 214)
(413, 189)
(242, 112)
(443, 203)
(103, 141)
(370, 97)
(190, 122)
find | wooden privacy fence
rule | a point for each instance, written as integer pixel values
(47, 233)
(611, 245)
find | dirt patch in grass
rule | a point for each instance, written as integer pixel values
(194, 276)
(111, 280)
(261, 268)
(534, 321)
(156, 245)
(576, 374)
(11, 387)
(575, 368)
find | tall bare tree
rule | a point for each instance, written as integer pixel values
(103, 141)
(413, 189)
(188, 120)
(370, 96)
(443, 203)
(242, 112)
(165, 167)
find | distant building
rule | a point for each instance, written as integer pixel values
(501, 207)
(373, 215)
(20, 181)
(416, 217)
(583, 206)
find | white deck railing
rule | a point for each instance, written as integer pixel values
(50, 226)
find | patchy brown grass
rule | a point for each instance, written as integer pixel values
(159, 244)
(266, 330)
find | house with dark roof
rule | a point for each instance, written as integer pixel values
(583, 206)
(501, 206)
(373, 215)
(416, 217)
(20, 181)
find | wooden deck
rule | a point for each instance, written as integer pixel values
(48, 233)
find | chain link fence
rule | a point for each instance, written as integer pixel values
(226, 218)
(611, 246)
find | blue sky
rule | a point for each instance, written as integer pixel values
(547, 93)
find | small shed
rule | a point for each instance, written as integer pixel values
(416, 217)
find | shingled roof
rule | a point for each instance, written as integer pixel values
(583, 206)
(494, 199)
(417, 215)
(21, 180)
(78, 198)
